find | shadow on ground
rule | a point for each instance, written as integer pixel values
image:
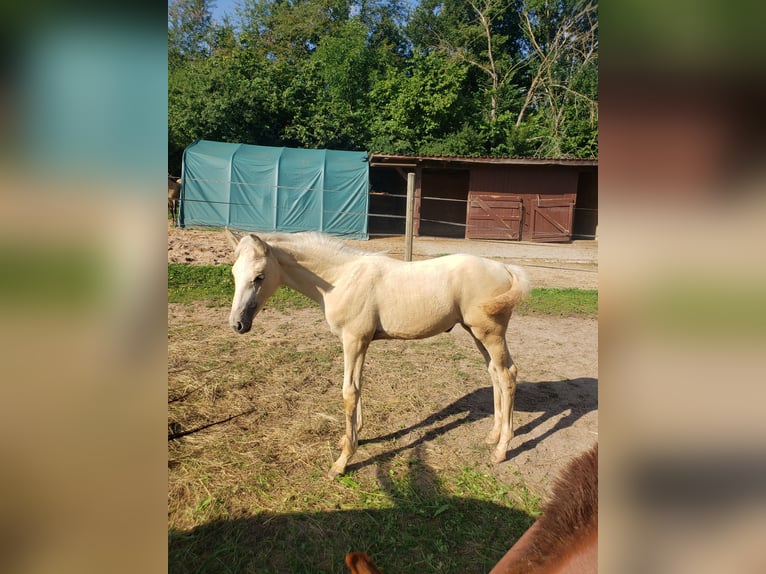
(547, 398)
(425, 530)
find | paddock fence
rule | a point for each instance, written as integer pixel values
(387, 214)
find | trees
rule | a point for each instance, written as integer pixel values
(463, 77)
(536, 64)
(189, 30)
(478, 33)
(418, 108)
(563, 58)
(328, 98)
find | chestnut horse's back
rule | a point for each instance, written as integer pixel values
(564, 540)
(360, 563)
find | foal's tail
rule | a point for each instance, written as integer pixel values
(503, 304)
(520, 287)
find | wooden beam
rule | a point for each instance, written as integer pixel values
(410, 215)
(401, 172)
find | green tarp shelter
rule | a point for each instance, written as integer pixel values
(262, 188)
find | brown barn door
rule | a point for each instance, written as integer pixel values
(493, 216)
(550, 219)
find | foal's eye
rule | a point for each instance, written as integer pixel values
(258, 278)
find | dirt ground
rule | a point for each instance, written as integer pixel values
(432, 395)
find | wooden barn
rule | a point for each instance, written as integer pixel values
(517, 199)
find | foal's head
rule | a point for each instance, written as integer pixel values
(256, 278)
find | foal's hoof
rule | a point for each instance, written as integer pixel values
(498, 457)
(492, 437)
(335, 472)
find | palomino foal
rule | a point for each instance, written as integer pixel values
(367, 296)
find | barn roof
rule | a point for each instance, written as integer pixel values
(401, 160)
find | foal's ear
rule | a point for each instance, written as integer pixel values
(233, 239)
(260, 245)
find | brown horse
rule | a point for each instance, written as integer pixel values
(564, 540)
(174, 197)
(360, 563)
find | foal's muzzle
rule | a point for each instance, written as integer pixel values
(241, 327)
(244, 321)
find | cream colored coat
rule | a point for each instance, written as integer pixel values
(367, 296)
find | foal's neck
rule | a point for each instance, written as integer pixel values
(310, 264)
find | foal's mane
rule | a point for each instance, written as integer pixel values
(312, 243)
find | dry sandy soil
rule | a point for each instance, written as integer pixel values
(432, 395)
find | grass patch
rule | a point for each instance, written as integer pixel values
(215, 285)
(286, 298)
(407, 517)
(188, 283)
(561, 302)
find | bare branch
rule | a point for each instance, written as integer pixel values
(564, 39)
(575, 92)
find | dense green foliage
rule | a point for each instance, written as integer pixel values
(453, 77)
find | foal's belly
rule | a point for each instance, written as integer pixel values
(382, 333)
(415, 325)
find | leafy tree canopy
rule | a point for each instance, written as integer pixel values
(442, 77)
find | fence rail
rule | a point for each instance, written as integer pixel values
(377, 195)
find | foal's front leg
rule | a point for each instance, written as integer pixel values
(354, 350)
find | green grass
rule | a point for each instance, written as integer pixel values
(408, 518)
(215, 285)
(211, 283)
(561, 302)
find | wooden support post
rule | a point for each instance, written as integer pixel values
(410, 216)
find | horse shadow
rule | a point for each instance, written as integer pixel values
(549, 399)
(423, 527)
(426, 528)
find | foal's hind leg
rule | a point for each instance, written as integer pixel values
(503, 373)
(494, 434)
